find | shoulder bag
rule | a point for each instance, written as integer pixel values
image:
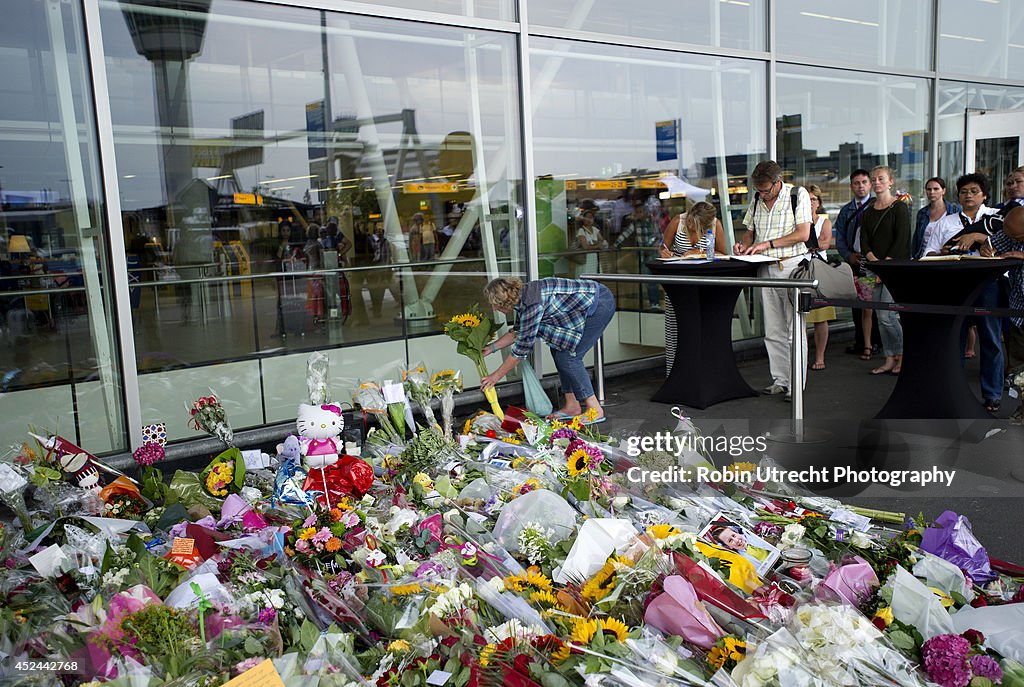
(833, 281)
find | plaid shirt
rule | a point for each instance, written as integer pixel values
(774, 223)
(555, 310)
(1004, 244)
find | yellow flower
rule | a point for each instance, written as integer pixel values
(583, 631)
(531, 578)
(614, 626)
(745, 466)
(579, 461)
(601, 584)
(561, 653)
(591, 414)
(466, 320)
(307, 533)
(486, 654)
(662, 531)
(399, 645)
(945, 599)
(406, 589)
(886, 615)
(546, 598)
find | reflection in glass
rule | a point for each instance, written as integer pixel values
(720, 23)
(982, 39)
(59, 366)
(831, 122)
(280, 165)
(626, 139)
(869, 32)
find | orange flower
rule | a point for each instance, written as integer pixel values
(333, 544)
(335, 514)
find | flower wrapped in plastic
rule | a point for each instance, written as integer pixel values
(208, 415)
(225, 474)
(370, 398)
(472, 330)
(417, 387)
(444, 385)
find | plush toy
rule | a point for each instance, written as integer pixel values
(319, 428)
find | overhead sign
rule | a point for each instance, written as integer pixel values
(666, 135)
(442, 187)
(570, 186)
(248, 199)
(651, 183)
(605, 185)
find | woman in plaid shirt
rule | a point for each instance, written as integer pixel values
(569, 315)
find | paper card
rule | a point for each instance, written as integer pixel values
(263, 675)
(155, 433)
(438, 677)
(10, 481)
(855, 521)
(182, 545)
(48, 561)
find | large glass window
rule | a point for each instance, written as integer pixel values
(869, 32)
(983, 38)
(831, 122)
(624, 140)
(484, 9)
(721, 23)
(59, 365)
(995, 153)
(295, 180)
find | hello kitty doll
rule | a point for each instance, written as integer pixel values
(319, 428)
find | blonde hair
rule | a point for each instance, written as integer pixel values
(703, 214)
(887, 169)
(503, 293)
(814, 191)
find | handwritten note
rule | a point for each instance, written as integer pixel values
(183, 546)
(263, 675)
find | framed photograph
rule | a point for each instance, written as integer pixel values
(727, 534)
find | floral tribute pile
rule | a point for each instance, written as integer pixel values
(515, 552)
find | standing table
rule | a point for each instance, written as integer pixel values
(705, 370)
(932, 383)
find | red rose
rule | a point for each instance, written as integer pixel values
(879, 623)
(980, 601)
(974, 637)
(491, 434)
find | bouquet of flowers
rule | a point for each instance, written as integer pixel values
(207, 415)
(417, 387)
(472, 330)
(317, 539)
(225, 474)
(443, 385)
(369, 397)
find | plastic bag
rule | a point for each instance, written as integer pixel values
(915, 604)
(951, 539)
(536, 398)
(597, 539)
(539, 506)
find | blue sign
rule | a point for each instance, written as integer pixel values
(665, 136)
(315, 130)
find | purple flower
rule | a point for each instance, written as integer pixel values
(768, 529)
(308, 522)
(322, 536)
(986, 666)
(147, 454)
(563, 433)
(266, 616)
(945, 660)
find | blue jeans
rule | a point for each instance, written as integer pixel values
(989, 332)
(888, 324)
(572, 373)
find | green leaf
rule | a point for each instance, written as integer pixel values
(581, 490)
(902, 640)
(156, 573)
(253, 646)
(308, 634)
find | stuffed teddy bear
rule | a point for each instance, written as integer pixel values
(319, 428)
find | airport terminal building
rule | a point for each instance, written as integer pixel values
(196, 194)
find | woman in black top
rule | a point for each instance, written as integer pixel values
(885, 235)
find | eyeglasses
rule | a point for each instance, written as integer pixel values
(770, 191)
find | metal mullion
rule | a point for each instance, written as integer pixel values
(383, 12)
(578, 36)
(933, 119)
(771, 89)
(867, 69)
(115, 237)
(529, 186)
(975, 79)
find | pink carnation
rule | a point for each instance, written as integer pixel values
(148, 454)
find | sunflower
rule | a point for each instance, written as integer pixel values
(466, 320)
(546, 598)
(561, 653)
(601, 584)
(583, 631)
(662, 531)
(406, 589)
(727, 652)
(579, 462)
(530, 578)
(614, 626)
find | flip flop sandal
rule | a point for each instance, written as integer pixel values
(595, 422)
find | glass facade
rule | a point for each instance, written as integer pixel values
(288, 178)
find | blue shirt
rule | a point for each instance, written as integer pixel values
(923, 220)
(555, 310)
(846, 225)
(1004, 244)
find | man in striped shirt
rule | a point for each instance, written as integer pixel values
(779, 230)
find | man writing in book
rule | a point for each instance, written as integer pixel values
(973, 190)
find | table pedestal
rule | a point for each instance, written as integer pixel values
(704, 372)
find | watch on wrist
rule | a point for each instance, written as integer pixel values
(771, 243)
